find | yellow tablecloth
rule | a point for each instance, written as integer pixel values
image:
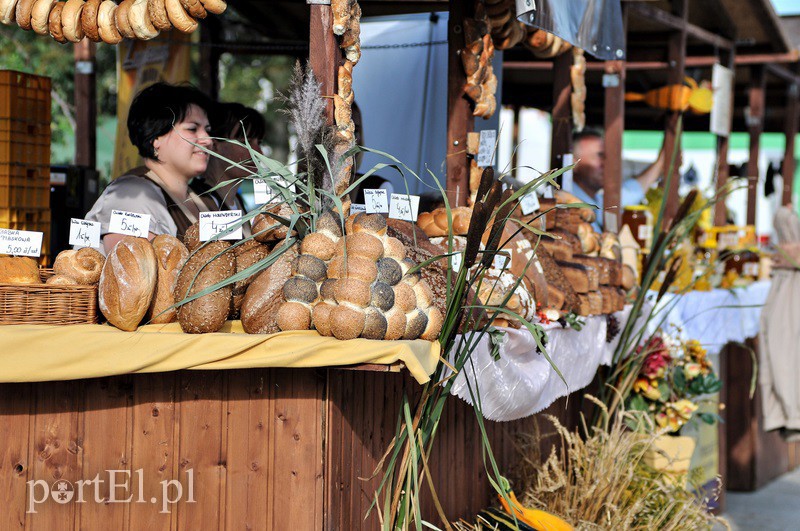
(38, 353)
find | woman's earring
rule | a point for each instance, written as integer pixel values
(155, 152)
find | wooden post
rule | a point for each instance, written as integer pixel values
(723, 168)
(459, 111)
(614, 83)
(562, 110)
(755, 125)
(789, 164)
(677, 63)
(85, 104)
(210, 30)
(323, 53)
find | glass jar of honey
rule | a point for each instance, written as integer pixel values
(640, 221)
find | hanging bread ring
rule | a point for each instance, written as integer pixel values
(217, 7)
(71, 20)
(121, 18)
(106, 23)
(179, 17)
(139, 19)
(54, 23)
(23, 13)
(194, 8)
(89, 20)
(8, 10)
(40, 16)
(158, 14)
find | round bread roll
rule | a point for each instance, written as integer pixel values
(83, 265)
(347, 323)
(127, 282)
(294, 316)
(265, 228)
(435, 323)
(61, 280)
(382, 296)
(318, 245)
(89, 20)
(416, 323)
(40, 16)
(171, 255)
(216, 7)
(395, 324)
(179, 17)
(158, 14)
(71, 20)
(194, 8)
(300, 289)
(423, 295)
(358, 267)
(389, 271)
(55, 27)
(23, 13)
(107, 23)
(365, 245)
(19, 270)
(191, 238)
(327, 290)
(330, 224)
(121, 17)
(394, 248)
(353, 291)
(321, 318)
(139, 20)
(311, 267)
(203, 270)
(374, 224)
(375, 324)
(265, 296)
(8, 10)
(404, 297)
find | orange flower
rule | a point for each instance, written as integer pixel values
(647, 388)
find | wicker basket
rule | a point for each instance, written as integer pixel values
(47, 303)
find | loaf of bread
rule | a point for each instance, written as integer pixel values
(268, 229)
(498, 288)
(84, 265)
(19, 270)
(590, 240)
(210, 265)
(246, 254)
(587, 214)
(436, 223)
(171, 255)
(128, 282)
(61, 280)
(601, 265)
(264, 296)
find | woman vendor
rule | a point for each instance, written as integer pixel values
(169, 126)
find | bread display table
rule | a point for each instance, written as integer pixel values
(252, 446)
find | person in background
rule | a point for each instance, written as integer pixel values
(588, 149)
(169, 126)
(246, 126)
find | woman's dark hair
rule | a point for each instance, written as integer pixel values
(227, 120)
(156, 109)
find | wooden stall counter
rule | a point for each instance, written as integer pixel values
(228, 447)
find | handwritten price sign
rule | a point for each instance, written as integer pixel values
(376, 201)
(404, 207)
(20, 242)
(213, 223)
(264, 194)
(355, 208)
(84, 233)
(129, 223)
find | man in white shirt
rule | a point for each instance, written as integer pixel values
(589, 151)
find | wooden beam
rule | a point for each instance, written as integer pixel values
(722, 167)
(755, 127)
(324, 54)
(783, 73)
(459, 110)
(85, 104)
(679, 23)
(562, 110)
(210, 32)
(614, 118)
(789, 163)
(677, 60)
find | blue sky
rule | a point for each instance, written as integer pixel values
(787, 7)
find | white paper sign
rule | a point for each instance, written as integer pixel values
(83, 233)
(213, 223)
(456, 261)
(129, 223)
(722, 86)
(20, 242)
(404, 207)
(548, 192)
(500, 261)
(529, 203)
(750, 269)
(610, 222)
(376, 201)
(355, 208)
(263, 194)
(486, 148)
(566, 177)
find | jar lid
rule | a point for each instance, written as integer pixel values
(636, 208)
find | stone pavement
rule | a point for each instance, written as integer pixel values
(775, 507)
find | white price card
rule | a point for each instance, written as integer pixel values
(376, 201)
(610, 222)
(529, 203)
(486, 148)
(567, 183)
(83, 233)
(213, 223)
(500, 261)
(548, 192)
(263, 194)
(355, 208)
(20, 242)
(404, 207)
(456, 261)
(129, 223)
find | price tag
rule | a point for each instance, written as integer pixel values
(548, 191)
(213, 223)
(83, 233)
(750, 269)
(129, 223)
(456, 261)
(20, 242)
(376, 201)
(486, 148)
(404, 207)
(727, 240)
(263, 194)
(610, 222)
(529, 203)
(356, 208)
(567, 183)
(500, 261)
